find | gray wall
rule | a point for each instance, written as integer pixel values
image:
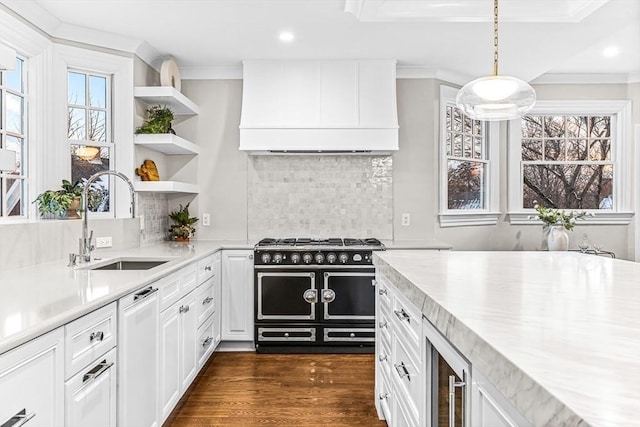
(222, 170)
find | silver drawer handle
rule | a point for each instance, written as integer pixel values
(98, 370)
(383, 324)
(207, 341)
(402, 371)
(383, 358)
(183, 309)
(207, 300)
(402, 315)
(18, 419)
(382, 291)
(207, 268)
(145, 293)
(98, 336)
(383, 396)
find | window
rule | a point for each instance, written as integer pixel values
(572, 155)
(89, 132)
(13, 137)
(467, 178)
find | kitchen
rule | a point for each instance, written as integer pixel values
(393, 195)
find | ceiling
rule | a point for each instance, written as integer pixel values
(438, 37)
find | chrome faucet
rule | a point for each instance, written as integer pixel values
(85, 241)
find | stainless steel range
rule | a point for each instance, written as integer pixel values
(315, 295)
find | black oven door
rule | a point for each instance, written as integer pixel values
(286, 295)
(348, 295)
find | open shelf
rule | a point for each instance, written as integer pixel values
(166, 96)
(166, 143)
(166, 187)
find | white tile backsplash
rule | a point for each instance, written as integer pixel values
(155, 209)
(320, 196)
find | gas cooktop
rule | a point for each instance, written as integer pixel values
(327, 242)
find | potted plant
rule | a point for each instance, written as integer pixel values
(182, 227)
(159, 121)
(64, 203)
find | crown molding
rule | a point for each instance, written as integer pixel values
(587, 78)
(421, 72)
(150, 56)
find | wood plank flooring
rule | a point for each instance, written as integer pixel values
(248, 389)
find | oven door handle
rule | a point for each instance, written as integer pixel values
(310, 296)
(328, 295)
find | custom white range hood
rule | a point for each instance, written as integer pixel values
(319, 106)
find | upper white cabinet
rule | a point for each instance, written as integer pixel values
(347, 105)
(167, 144)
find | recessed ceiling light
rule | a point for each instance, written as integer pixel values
(286, 36)
(611, 51)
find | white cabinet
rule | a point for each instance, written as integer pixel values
(169, 375)
(32, 382)
(490, 408)
(138, 315)
(237, 295)
(90, 395)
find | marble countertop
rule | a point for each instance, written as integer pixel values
(38, 299)
(557, 333)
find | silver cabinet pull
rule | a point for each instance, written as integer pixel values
(383, 396)
(207, 268)
(383, 358)
(18, 419)
(96, 371)
(382, 291)
(250, 256)
(310, 296)
(183, 309)
(207, 300)
(402, 315)
(328, 295)
(98, 336)
(145, 293)
(402, 370)
(207, 341)
(453, 384)
(383, 324)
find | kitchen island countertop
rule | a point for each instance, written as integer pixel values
(557, 333)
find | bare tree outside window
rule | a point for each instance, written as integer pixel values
(567, 162)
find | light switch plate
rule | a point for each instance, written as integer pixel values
(406, 219)
(104, 242)
(206, 219)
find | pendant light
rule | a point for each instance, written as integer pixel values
(496, 97)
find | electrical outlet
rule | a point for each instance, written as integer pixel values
(141, 218)
(406, 219)
(103, 242)
(206, 219)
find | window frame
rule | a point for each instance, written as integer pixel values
(620, 110)
(469, 217)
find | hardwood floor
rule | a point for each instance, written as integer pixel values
(248, 389)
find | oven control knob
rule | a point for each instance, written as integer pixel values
(266, 258)
(331, 257)
(295, 258)
(319, 258)
(277, 258)
(307, 258)
(357, 257)
(343, 257)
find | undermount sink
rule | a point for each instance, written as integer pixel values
(129, 264)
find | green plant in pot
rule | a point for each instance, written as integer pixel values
(159, 120)
(182, 227)
(64, 203)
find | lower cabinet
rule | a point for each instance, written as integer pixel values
(429, 382)
(237, 295)
(138, 338)
(90, 396)
(32, 383)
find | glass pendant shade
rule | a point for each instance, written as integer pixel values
(494, 98)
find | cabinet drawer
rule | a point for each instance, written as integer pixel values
(406, 374)
(206, 268)
(384, 326)
(205, 341)
(385, 397)
(384, 360)
(205, 301)
(90, 395)
(188, 279)
(403, 416)
(88, 337)
(383, 292)
(407, 320)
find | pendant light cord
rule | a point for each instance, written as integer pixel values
(495, 37)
